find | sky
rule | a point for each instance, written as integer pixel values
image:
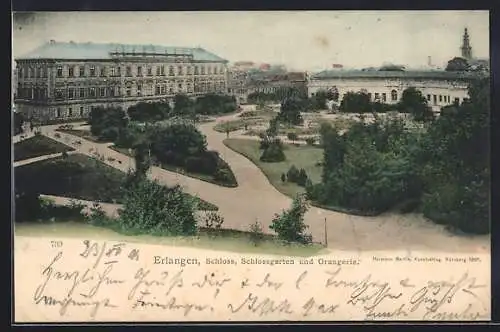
(301, 40)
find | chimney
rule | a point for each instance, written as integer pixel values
(429, 61)
(52, 41)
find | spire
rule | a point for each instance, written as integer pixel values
(466, 47)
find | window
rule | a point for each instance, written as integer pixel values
(82, 71)
(59, 71)
(179, 70)
(71, 72)
(429, 97)
(448, 99)
(113, 71)
(58, 112)
(384, 97)
(457, 101)
(190, 70)
(163, 89)
(92, 92)
(20, 73)
(139, 89)
(81, 111)
(440, 98)
(394, 95)
(196, 70)
(171, 71)
(111, 92)
(119, 71)
(150, 71)
(128, 71)
(162, 70)
(129, 91)
(139, 71)
(171, 91)
(82, 92)
(157, 90)
(71, 93)
(92, 71)
(377, 96)
(209, 70)
(434, 99)
(102, 92)
(59, 94)
(179, 86)
(103, 71)
(70, 111)
(203, 70)
(215, 70)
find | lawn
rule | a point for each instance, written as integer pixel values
(180, 170)
(305, 157)
(76, 176)
(227, 240)
(85, 134)
(37, 146)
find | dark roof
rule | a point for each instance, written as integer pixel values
(424, 74)
(97, 51)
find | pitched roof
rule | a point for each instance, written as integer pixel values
(97, 51)
(424, 74)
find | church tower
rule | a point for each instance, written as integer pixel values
(466, 48)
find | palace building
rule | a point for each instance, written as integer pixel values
(386, 85)
(63, 80)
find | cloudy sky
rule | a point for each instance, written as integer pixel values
(302, 40)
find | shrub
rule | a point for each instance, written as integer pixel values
(283, 177)
(292, 174)
(152, 207)
(256, 233)
(273, 153)
(310, 140)
(292, 136)
(302, 178)
(289, 225)
(223, 174)
(213, 221)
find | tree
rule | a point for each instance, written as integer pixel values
(415, 103)
(18, 123)
(272, 131)
(456, 171)
(289, 225)
(292, 137)
(215, 104)
(106, 123)
(151, 207)
(334, 149)
(178, 141)
(291, 109)
(183, 106)
(149, 112)
(273, 152)
(356, 102)
(142, 159)
(457, 64)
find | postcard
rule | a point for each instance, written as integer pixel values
(265, 166)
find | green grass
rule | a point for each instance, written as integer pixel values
(304, 157)
(77, 176)
(226, 240)
(37, 146)
(180, 170)
(85, 134)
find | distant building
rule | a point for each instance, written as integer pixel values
(61, 80)
(440, 88)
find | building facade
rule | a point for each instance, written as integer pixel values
(63, 80)
(440, 88)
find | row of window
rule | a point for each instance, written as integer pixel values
(95, 92)
(94, 71)
(441, 98)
